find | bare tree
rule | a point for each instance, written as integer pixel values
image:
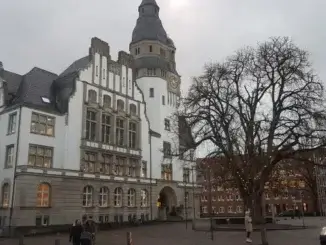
(256, 109)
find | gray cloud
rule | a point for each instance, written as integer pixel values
(52, 34)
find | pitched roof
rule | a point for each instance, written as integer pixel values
(76, 66)
(37, 83)
(12, 81)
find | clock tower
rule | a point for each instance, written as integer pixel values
(158, 79)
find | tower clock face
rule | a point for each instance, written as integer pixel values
(174, 82)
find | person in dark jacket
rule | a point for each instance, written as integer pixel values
(86, 237)
(75, 233)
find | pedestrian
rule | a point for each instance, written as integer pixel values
(86, 235)
(248, 225)
(75, 233)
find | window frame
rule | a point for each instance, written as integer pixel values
(120, 105)
(88, 192)
(11, 156)
(133, 109)
(143, 198)
(12, 123)
(131, 197)
(43, 201)
(91, 125)
(132, 131)
(106, 128)
(118, 193)
(120, 132)
(37, 124)
(167, 125)
(44, 156)
(5, 195)
(167, 149)
(90, 94)
(103, 197)
(87, 162)
(151, 93)
(107, 104)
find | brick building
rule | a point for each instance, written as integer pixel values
(225, 200)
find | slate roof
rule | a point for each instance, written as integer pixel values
(76, 66)
(37, 83)
(149, 25)
(12, 80)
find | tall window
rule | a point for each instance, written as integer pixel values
(133, 109)
(42, 124)
(106, 101)
(163, 100)
(5, 195)
(89, 162)
(186, 175)
(106, 128)
(167, 124)
(120, 105)
(88, 196)
(120, 131)
(118, 166)
(132, 135)
(151, 92)
(91, 125)
(104, 167)
(40, 156)
(43, 195)
(12, 123)
(92, 96)
(131, 198)
(150, 48)
(143, 198)
(9, 156)
(103, 197)
(167, 171)
(131, 171)
(118, 197)
(167, 149)
(144, 169)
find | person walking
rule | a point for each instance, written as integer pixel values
(75, 233)
(248, 225)
(86, 237)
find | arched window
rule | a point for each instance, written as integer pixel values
(106, 101)
(131, 198)
(133, 109)
(118, 197)
(120, 105)
(43, 195)
(87, 196)
(92, 96)
(143, 198)
(5, 195)
(104, 197)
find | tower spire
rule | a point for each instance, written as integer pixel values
(149, 25)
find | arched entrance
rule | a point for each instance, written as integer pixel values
(167, 203)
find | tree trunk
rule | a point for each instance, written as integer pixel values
(259, 217)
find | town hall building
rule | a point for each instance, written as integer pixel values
(98, 138)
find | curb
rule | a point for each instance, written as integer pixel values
(226, 229)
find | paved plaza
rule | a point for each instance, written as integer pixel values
(176, 233)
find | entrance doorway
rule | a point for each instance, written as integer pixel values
(167, 201)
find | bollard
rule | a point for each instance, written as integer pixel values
(129, 238)
(57, 242)
(21, 240)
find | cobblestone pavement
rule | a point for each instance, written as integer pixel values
(176, 234)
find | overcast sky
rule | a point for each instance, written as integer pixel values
(52, 34)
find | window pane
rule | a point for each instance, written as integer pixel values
(40, 151)
(39, 161)
(42, 119)
(41, 128)
(49, 130)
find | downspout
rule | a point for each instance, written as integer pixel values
(150, 174)
(15, 168)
